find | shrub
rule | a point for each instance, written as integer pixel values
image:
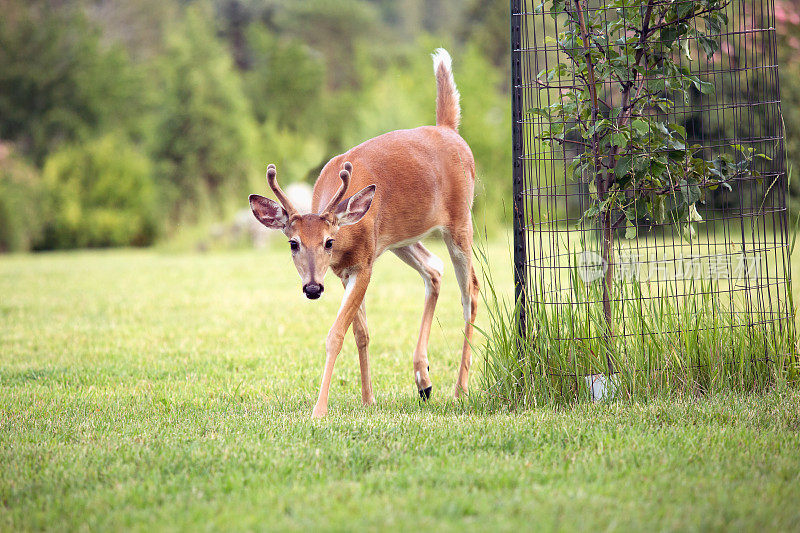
(99, 193)
(20, 198)
(59, 82)
(206, 139)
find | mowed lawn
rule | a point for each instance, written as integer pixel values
(148, 391)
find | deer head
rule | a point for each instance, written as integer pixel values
(312, 236)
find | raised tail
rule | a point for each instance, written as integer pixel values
(448, 110)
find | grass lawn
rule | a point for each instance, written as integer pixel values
(144, 390)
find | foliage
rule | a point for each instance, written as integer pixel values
(215, 89)
(285, 81)
(634, 156)
(57, 82)
(486, 125)
(20, 202)
(485, 25)
(99, 193)
(334, 28)
(297, 155)
(206, 137)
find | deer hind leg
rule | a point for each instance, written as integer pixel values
(459, 244)
(430, 268)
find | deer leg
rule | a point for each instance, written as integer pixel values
(355, 289)
(362, 343)
(430, 268)
(459, 244)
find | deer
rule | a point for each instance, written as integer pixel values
(387, 194)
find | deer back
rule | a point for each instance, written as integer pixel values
(425, 180)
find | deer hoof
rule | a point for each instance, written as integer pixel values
(425, 393)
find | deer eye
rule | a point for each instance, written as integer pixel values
(294, 245)
(329, 244)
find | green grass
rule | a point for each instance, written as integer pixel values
(140, 390)
(680, 342)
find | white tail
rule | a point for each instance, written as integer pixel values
(387, 194)
(448, 109)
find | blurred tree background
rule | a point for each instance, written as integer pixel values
(123, 121)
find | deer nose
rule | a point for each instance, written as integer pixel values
(313, 291)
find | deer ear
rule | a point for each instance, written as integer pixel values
(353, 209)
(268, 212)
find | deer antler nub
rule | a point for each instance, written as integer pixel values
(344, 175)
(272, 179)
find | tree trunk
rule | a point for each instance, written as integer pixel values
(607, 250)
(603, 182)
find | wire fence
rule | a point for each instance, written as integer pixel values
(738, 254)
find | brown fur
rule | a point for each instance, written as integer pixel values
(425, 180)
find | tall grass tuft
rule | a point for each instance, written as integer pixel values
(683, 343)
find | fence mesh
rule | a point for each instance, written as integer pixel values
(738, 254)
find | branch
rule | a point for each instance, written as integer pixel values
(592, 91)
(688, 17)
(616, 225)
(549, 86)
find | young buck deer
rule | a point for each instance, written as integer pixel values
(408, 184)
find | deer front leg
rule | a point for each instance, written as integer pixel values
(354, 292)
(361, 334)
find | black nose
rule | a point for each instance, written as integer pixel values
(313, 291)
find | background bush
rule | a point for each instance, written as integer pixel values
(100, 193)
(20, 196)
(205, 93)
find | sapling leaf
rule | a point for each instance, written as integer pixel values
(677, 128)
(706, 87)
(640, 126)
(710, 46)
(682, 9)
(623, 166)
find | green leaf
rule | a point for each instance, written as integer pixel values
(598, 128)
(657, 169)
(710, 46)
(623, 166)
(619, 139)
(630, 231)
(684, 8)
(691, 193)
(668, 36)
(659, 209)
(675, 144)
(640, 126)
(714, 23)
(592, 212)
(706, 87)
(677, 128)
